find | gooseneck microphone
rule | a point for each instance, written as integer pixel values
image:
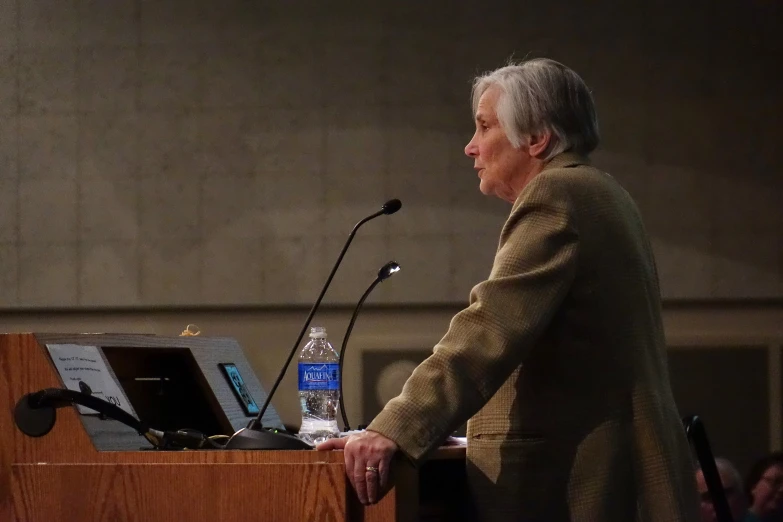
(384, 273)
(254, 436)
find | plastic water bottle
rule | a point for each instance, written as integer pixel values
(319, 388)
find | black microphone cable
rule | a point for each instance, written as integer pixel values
(35, 416)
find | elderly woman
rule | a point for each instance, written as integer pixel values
(559, 360)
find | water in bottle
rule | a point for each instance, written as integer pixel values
(319, 388)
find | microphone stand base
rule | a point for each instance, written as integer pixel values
(247, 439)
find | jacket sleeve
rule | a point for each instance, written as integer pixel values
(532, 272)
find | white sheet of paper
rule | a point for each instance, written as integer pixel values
(77, 363)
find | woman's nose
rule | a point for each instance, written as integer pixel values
(471, 149)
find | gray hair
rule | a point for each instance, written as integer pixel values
(543, 95)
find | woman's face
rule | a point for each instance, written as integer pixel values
(768, 492)
(502, 168)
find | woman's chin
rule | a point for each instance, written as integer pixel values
(486, 188)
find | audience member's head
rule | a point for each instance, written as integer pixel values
(732, 487)
(764, 488)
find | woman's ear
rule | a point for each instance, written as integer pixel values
(539, 144)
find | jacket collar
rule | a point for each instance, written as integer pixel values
(566, 160)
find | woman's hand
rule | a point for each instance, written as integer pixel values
(367, 460)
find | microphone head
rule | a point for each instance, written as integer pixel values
(391, 206)
(387, 270)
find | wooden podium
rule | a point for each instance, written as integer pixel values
(89, 469)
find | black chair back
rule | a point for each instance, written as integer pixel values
(697, 435)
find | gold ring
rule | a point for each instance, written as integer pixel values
(372, 468)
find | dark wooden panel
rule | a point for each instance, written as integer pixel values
(728, 388)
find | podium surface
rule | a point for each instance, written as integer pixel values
(64, 476)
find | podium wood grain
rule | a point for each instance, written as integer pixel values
(63, 477)
(192, 492)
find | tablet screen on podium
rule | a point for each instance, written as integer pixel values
(240, 390)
